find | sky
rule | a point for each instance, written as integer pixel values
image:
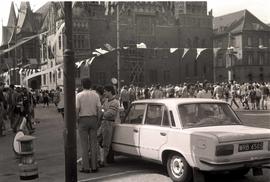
(259, 8)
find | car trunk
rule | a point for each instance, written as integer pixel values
(232, 133)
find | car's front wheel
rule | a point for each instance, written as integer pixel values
(178, 168)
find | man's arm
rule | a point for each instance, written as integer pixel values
(112, 110)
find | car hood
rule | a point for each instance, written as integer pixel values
(231, 133)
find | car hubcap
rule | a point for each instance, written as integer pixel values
(177, 167)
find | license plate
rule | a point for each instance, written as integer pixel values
(250, 146)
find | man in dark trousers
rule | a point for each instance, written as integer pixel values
(110, 110)
(87, 109)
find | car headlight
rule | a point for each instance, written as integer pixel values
(223, 150)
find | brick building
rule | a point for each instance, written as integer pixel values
(242, 43)
(25, 56)
(159, 25)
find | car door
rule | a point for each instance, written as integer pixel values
(154, 132)
(126, 133)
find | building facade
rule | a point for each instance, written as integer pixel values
(242, 48)
(235, 46)
(159, 25)
(26, 56)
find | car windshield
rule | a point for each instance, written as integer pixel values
(207, 114)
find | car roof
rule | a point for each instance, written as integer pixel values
(177, 101)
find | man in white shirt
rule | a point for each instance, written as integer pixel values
(87, 109)
(218, 92)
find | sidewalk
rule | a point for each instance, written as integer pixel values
(49, 152)
(48, 146)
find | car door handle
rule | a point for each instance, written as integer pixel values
(135, 130)
(163, 134)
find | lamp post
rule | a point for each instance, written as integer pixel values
(69, 100)
(118, 49)
(229, 62)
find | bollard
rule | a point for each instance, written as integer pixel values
(28, 166)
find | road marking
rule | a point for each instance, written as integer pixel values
(258, 114)
(111, 175)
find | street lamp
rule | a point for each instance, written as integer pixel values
(229, 62)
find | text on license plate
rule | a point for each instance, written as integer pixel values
(250, 146)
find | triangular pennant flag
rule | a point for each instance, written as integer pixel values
(20, 72)
(141, 45)
(91, 60)
(86, 62)
(73, 3)
(109, 47)
(102, 51)
(78, 64)
(112, 10)
(106, 4)
(172, 50)
(96, 53)
(199, 51)
(262, 47)
(185, 52)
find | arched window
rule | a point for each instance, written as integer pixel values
(59, 73)
(50, 77)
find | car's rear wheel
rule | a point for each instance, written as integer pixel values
(178, 168)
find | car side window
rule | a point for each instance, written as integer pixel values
(166, 121)
(135, 114)
(172, 118)
(154, 115)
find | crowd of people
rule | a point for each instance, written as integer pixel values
(19, 102)
(98, 106)
(246, 95)
(16, 104)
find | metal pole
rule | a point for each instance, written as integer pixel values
(15, 60)
(214, 66)
(118, 49)
(69, 100)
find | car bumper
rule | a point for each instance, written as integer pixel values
(226, 165)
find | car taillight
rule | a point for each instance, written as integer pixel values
(223, 150)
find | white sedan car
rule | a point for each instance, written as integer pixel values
(190, 135)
